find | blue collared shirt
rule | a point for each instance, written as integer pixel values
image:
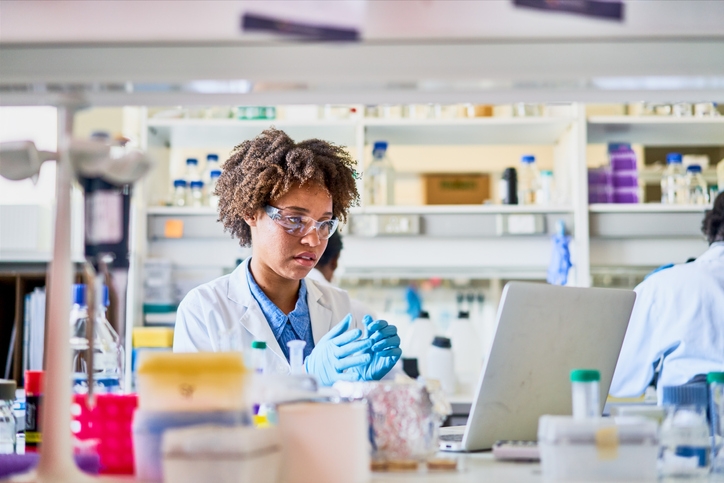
(295, 326)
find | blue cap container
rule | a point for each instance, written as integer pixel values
(694, 168)
(212, 157)
(197, 184)
(673, 158)
(179, 183)
(380, 145)
(192, 161)
(527, 159)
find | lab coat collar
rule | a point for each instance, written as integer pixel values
(715, 252)
(320, 313)
(253, 318)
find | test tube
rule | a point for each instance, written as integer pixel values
(258, 348)
(584, 386)
(296, 355)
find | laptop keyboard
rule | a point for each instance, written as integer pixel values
(454, 438)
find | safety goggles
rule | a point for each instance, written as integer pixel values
(300, 225)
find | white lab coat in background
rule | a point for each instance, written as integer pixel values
(679, 310)
(357, 306)
(215, 313)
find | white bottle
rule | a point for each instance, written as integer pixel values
(379, 178)
(698, 192)
(720, 176)
(179, 192)
(213, 198)
(196, 194)
(468, 351)
(192, 170)
(672, 181)
(544, 196)
(441, 364)
(528, 181)
(418, 339)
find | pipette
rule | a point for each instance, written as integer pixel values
(296, 356)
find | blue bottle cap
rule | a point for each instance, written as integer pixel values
(212, 157)
(527, 159)
(694, 168)
(619, 147)
(106, 297)
(380, 145)
(197, 184)
(179, 183)
(79, 294)
(215, 173)
(193, 161)
(673, 158)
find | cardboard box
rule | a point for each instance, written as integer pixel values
(456, 189)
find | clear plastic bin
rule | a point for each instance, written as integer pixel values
(598, 449)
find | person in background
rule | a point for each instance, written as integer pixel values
(285, 199)
(323, 272)
(678, 316)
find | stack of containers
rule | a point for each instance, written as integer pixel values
(624, 174)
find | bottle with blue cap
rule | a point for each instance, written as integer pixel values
(684, 436)
(212, 164)
(192, 170)
(108, 351)
(379, 178)
(696, 187)
(528, 180)
(196, 195)
(213, 198)
(179, 192)
(672, 181)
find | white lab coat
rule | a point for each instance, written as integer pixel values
(225, 308)
(679, 311)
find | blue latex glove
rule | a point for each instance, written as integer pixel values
(335, 353)
(384, 352)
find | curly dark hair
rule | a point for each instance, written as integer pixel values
(264, 168)
(713, 224)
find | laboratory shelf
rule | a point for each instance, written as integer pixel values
(656, 130)
(462, 131)
(455, 209)
(646, 208)
(181, 211)
(211, 133)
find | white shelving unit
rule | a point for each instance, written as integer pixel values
(454, 241)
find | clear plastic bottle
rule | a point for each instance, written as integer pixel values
(192, 170)
(716, 418)
(585, 393)
(672, 181)
(179, 192)
(8, 424)
(212, 164)
(544, 196)
(78, 339)
(213, 198)
(196, 195)
(697, 190)
(528, 181)
(379, 178)
(108, 352)
(684, 442)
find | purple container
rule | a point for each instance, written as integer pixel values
(623, 161)
(626, 195)
(625, 179)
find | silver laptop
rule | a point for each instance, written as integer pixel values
(543, 332)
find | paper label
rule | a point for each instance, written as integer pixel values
(104, 217)
(607, 443)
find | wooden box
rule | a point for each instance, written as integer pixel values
(456, 189)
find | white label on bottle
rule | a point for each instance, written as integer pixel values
(104, 217)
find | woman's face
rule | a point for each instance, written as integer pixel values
(290, 256)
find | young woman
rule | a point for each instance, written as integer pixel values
(285, 199)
